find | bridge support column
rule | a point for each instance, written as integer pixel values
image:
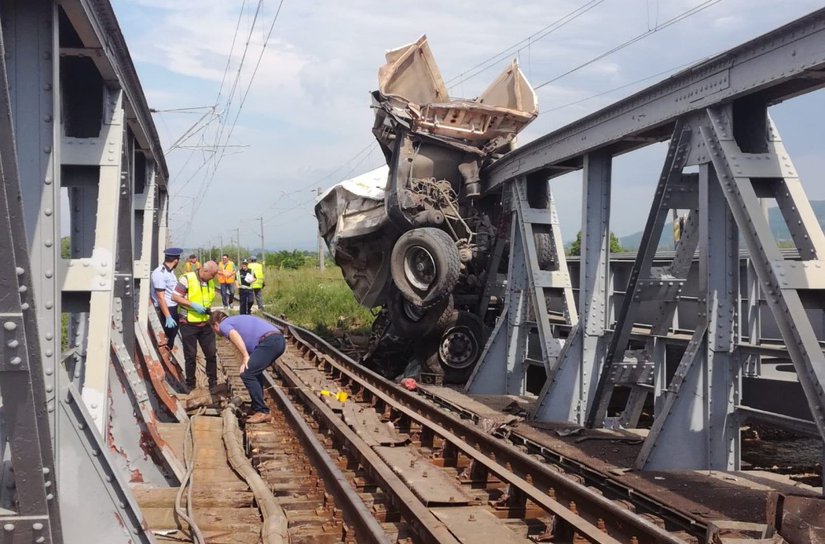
(537, 280)
(704, 392)
(567, 392)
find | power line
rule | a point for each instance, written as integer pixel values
(228, 107)
(672, 21)
(528, 41)
(252, 77)
(620, 87)
(220, 154)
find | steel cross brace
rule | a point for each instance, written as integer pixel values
(704, 392)
(675, 161)
(533, 279)
(745, 177)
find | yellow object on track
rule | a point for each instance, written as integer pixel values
(340, 396)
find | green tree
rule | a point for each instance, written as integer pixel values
(66, 247)
(576, 246)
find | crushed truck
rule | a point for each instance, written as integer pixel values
(416, 238)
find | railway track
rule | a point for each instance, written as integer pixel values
(425, 472)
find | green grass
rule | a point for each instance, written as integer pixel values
(315, 300)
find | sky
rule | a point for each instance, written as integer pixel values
(265, 118)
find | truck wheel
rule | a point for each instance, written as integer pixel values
(460, 346)
(425, 265)
(544, 250)
(412, 321)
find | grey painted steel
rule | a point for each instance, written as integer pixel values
(780, 64)
(782, 280)
(96, 24)
(696, 423)
(703, 395)
(68, 466)
(565, 394)
(532, 285)
(94, 494)
(671, 171)
(25, 406)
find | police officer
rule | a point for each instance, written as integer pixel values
(163, 286)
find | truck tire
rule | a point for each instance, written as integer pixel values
(544, 250)
(425, 265)
(459, 347)
(413, 322)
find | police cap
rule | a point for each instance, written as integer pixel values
(173, 252)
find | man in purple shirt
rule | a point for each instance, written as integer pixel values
(260, 343)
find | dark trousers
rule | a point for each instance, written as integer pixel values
(246, 300)
(191, 336)
(227, 294)
(170, 333)
(259, 299)
(264, 354)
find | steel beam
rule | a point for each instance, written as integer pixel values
(784, 293)
(538, 275)
(781, 64)
(675, 161)
(95, 383)
(702, 397)
(569, 388)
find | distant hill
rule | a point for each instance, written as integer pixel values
(780, 230)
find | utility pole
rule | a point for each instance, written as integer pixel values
(263, 247)
(320, 245)
(238, 239)
(219, 256)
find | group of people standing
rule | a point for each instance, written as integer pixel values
(248, 279)
(184, 304)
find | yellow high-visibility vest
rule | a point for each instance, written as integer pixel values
(197, 292)
(191, 267)
(258, 270)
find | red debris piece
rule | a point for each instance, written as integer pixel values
(409, 384)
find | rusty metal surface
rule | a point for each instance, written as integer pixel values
(424, 524)
(472, 523)
(798, 519)
(430, 484)
(365, 422)
(590, 515)
(319, 505)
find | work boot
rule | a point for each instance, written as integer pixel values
(219, 388)
(259, 417)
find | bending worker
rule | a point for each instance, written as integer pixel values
(194, 295)
(164, 282)
(260, 343)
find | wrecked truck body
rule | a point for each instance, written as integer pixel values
(417, 237)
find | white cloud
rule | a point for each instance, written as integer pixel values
(308, 109)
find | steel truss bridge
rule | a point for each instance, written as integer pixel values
(82, 381)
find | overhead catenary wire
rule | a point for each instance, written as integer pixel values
(491, 61)
(672, 21)
(220, 153)
(620, 87)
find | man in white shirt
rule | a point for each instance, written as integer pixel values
(163, 286)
